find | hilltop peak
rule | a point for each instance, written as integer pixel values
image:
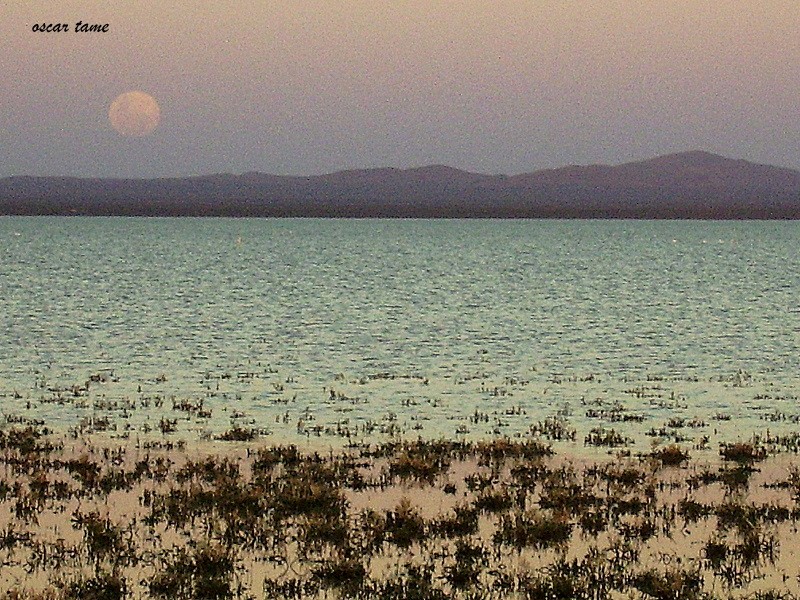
(688, 158)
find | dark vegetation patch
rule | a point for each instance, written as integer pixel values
(204, 526)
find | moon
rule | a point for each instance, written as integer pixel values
(134, 113)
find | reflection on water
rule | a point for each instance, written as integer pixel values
(426, 328)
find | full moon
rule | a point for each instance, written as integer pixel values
(134, 113)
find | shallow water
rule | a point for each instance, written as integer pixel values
(414, 324)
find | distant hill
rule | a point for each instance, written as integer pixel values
(687, 185)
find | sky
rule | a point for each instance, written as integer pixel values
(304, 87)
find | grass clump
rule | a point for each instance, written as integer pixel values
(742, 452)
(673, 584)
(207, 571)
(343, 574)
(493, 501)
(607, 438)
(425, 467)
(101, 586)
(468, 562)
(462, 523)
(404, 524)
(592, 577)
(531, 529)
(238, 434)
(671, 456)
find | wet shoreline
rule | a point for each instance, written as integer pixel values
(501, 518)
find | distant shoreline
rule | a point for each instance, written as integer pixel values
(686, 186)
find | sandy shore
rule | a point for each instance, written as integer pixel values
(444, 519)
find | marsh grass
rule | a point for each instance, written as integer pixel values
(238, 434)
(739, 561)
(274, 522)
(591, 577)
(463, 522)
(404, 525)
(100, 586)
(494, 500)
(199, 571)
(742, 452)
(608, 438)
(468, 562)
(671, 456)
(536, 529)
(421, 467)
(670, 584)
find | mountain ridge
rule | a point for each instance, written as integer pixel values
(690, 184)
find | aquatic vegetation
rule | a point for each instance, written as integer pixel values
(499, 450)
(316, 531)
(742, 452)
(553, 429)
(468, 562)
(26, 441)
(421, 466)
(589, 578)
(463, 522)
(494, 501)
(477, 482)
(692, 511)
(738, 562)
(48, 594)
(621, 475)
(535, 529)
(105, 542)
(345, 575)
(404, 525)
(737, 477)
(290, 588)
(276, 522)
(570, 497)
(167, 426)
(412, 582)
(205, 571)
(610, 438)
(672, 584)
(364, 408)
(101, 586)
(671, 456)
(238, 434)
(593, 522)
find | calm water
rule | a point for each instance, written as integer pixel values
(313, 329)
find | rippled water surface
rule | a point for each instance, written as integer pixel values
(365, 329)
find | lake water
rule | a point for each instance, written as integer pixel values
(319, 331)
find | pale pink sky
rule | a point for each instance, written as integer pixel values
(313, 86)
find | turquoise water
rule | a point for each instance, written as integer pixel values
(414, 325)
